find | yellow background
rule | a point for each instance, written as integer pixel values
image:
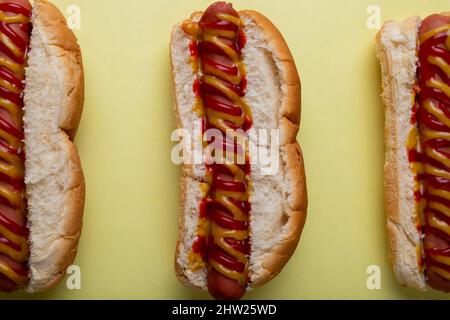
(130, 224)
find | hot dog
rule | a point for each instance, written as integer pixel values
(233, 72)
(41, 180)
(415, 59)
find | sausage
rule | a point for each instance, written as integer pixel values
(223, 288)
(434, 114)
(15, 29)
(433, 21)
(217, 41)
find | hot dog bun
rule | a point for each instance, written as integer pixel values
(396, 50)
(416, 167)
(278, 202)
(54, 94)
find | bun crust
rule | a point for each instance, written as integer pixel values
(396, 50)
(54, 96)
(54, 25)
(289, 117)
(286, 214)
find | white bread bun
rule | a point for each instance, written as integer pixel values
(397, 51)
(54, 94)
(278, 202)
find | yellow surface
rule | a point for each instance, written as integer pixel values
(130, 225)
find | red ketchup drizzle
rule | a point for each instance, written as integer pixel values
(6, 285)
(216, 253)
(19, 35)
(436, 241)
(10, 244)
(213, 57)
(200, 246)
(413, 119)
(20, 230)
(20, 42)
